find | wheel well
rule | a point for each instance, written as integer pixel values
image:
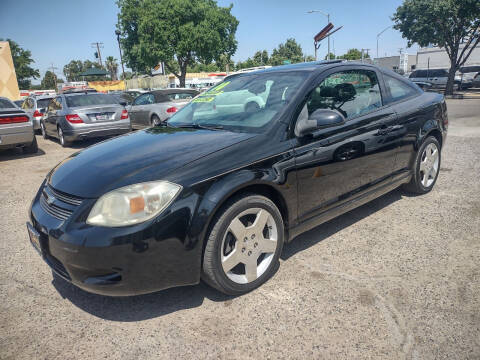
(437, 134)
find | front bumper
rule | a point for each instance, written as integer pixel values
(80, 134)
(124, 261)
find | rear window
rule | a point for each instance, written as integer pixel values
(43, 103)
(90, 99)
(6, 104)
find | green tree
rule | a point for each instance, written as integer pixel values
(49, 80)
(72, 69)
(128, 75)
(22, 59)
(447, 23)
(330, 56)
(354, 54)
(179, 32)
(112, 67)
(291, 51)
(309, 58)
(261, 58)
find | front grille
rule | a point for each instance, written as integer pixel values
(57, 266)
(54, 210)
(58, 204)
(66, 198)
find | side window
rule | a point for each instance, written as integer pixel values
(352, 93)
(413, 75)
(58, 103)
(140, 100)
(25, 104)
(421, 74)
(150, 99)
(398, 89)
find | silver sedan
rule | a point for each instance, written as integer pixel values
(154, 107)
(16, 128)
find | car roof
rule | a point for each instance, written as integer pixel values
(174, 90)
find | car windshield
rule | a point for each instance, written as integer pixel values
(6, 104)
(90, 99)
(245, 103)
(43, 103)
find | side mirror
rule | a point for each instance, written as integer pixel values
(319, 119)
(123, 103)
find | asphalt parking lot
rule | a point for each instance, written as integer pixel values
(396, 278)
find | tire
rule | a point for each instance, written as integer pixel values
(61, 138)
(32, 148)
(155, 121)
(43, 130)
(425, 161)
(225, 250)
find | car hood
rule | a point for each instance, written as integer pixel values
(142, 156)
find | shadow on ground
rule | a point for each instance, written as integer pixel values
(17, 153)
(142, 307)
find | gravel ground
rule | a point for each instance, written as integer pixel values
(396, 278)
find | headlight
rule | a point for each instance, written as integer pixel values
(133, 204)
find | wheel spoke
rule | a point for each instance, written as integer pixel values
(231, 261)
(260, 221)
(423, 166)
(237, 229)
(251, 270)
(425, 178)
(268, 246)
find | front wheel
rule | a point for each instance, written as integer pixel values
(244, 245)
(426, 167)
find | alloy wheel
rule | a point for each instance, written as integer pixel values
(60, 136)
(249, 245)
(429, 163)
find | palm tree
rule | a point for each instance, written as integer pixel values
(112, 67)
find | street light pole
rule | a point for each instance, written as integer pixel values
(117, 32)
(380, 33)
(328, 20)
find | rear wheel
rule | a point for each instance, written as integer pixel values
(32, 148)
(244, 245)
(61, 138)
(426, 167)
(155, 120)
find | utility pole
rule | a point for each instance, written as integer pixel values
(53, 68)
(98, 46)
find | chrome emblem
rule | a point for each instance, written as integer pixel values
(48, 199)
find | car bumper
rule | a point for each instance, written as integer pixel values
(18, 138)
(80, 134)
(36, 123)
(120, 261)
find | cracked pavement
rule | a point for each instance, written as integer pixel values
(396, 278)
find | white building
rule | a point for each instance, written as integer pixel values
(437, 58)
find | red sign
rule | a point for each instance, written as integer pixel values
(323, 33)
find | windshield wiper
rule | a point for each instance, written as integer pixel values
(198, 126)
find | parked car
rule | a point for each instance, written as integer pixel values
(125, 96)
(154, 107)
(18, 103)
(77, 116)
(438, 78)
(16, 128)
(35, 106)
(216, 197)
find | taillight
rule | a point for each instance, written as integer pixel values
(172, 109)
(124, 115)
(74, 119)
(37, 113)
(13, 119)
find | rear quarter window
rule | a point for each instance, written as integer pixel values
(398, 89)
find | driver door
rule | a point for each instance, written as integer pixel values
(334, 164)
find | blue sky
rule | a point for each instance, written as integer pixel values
(57, 31)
